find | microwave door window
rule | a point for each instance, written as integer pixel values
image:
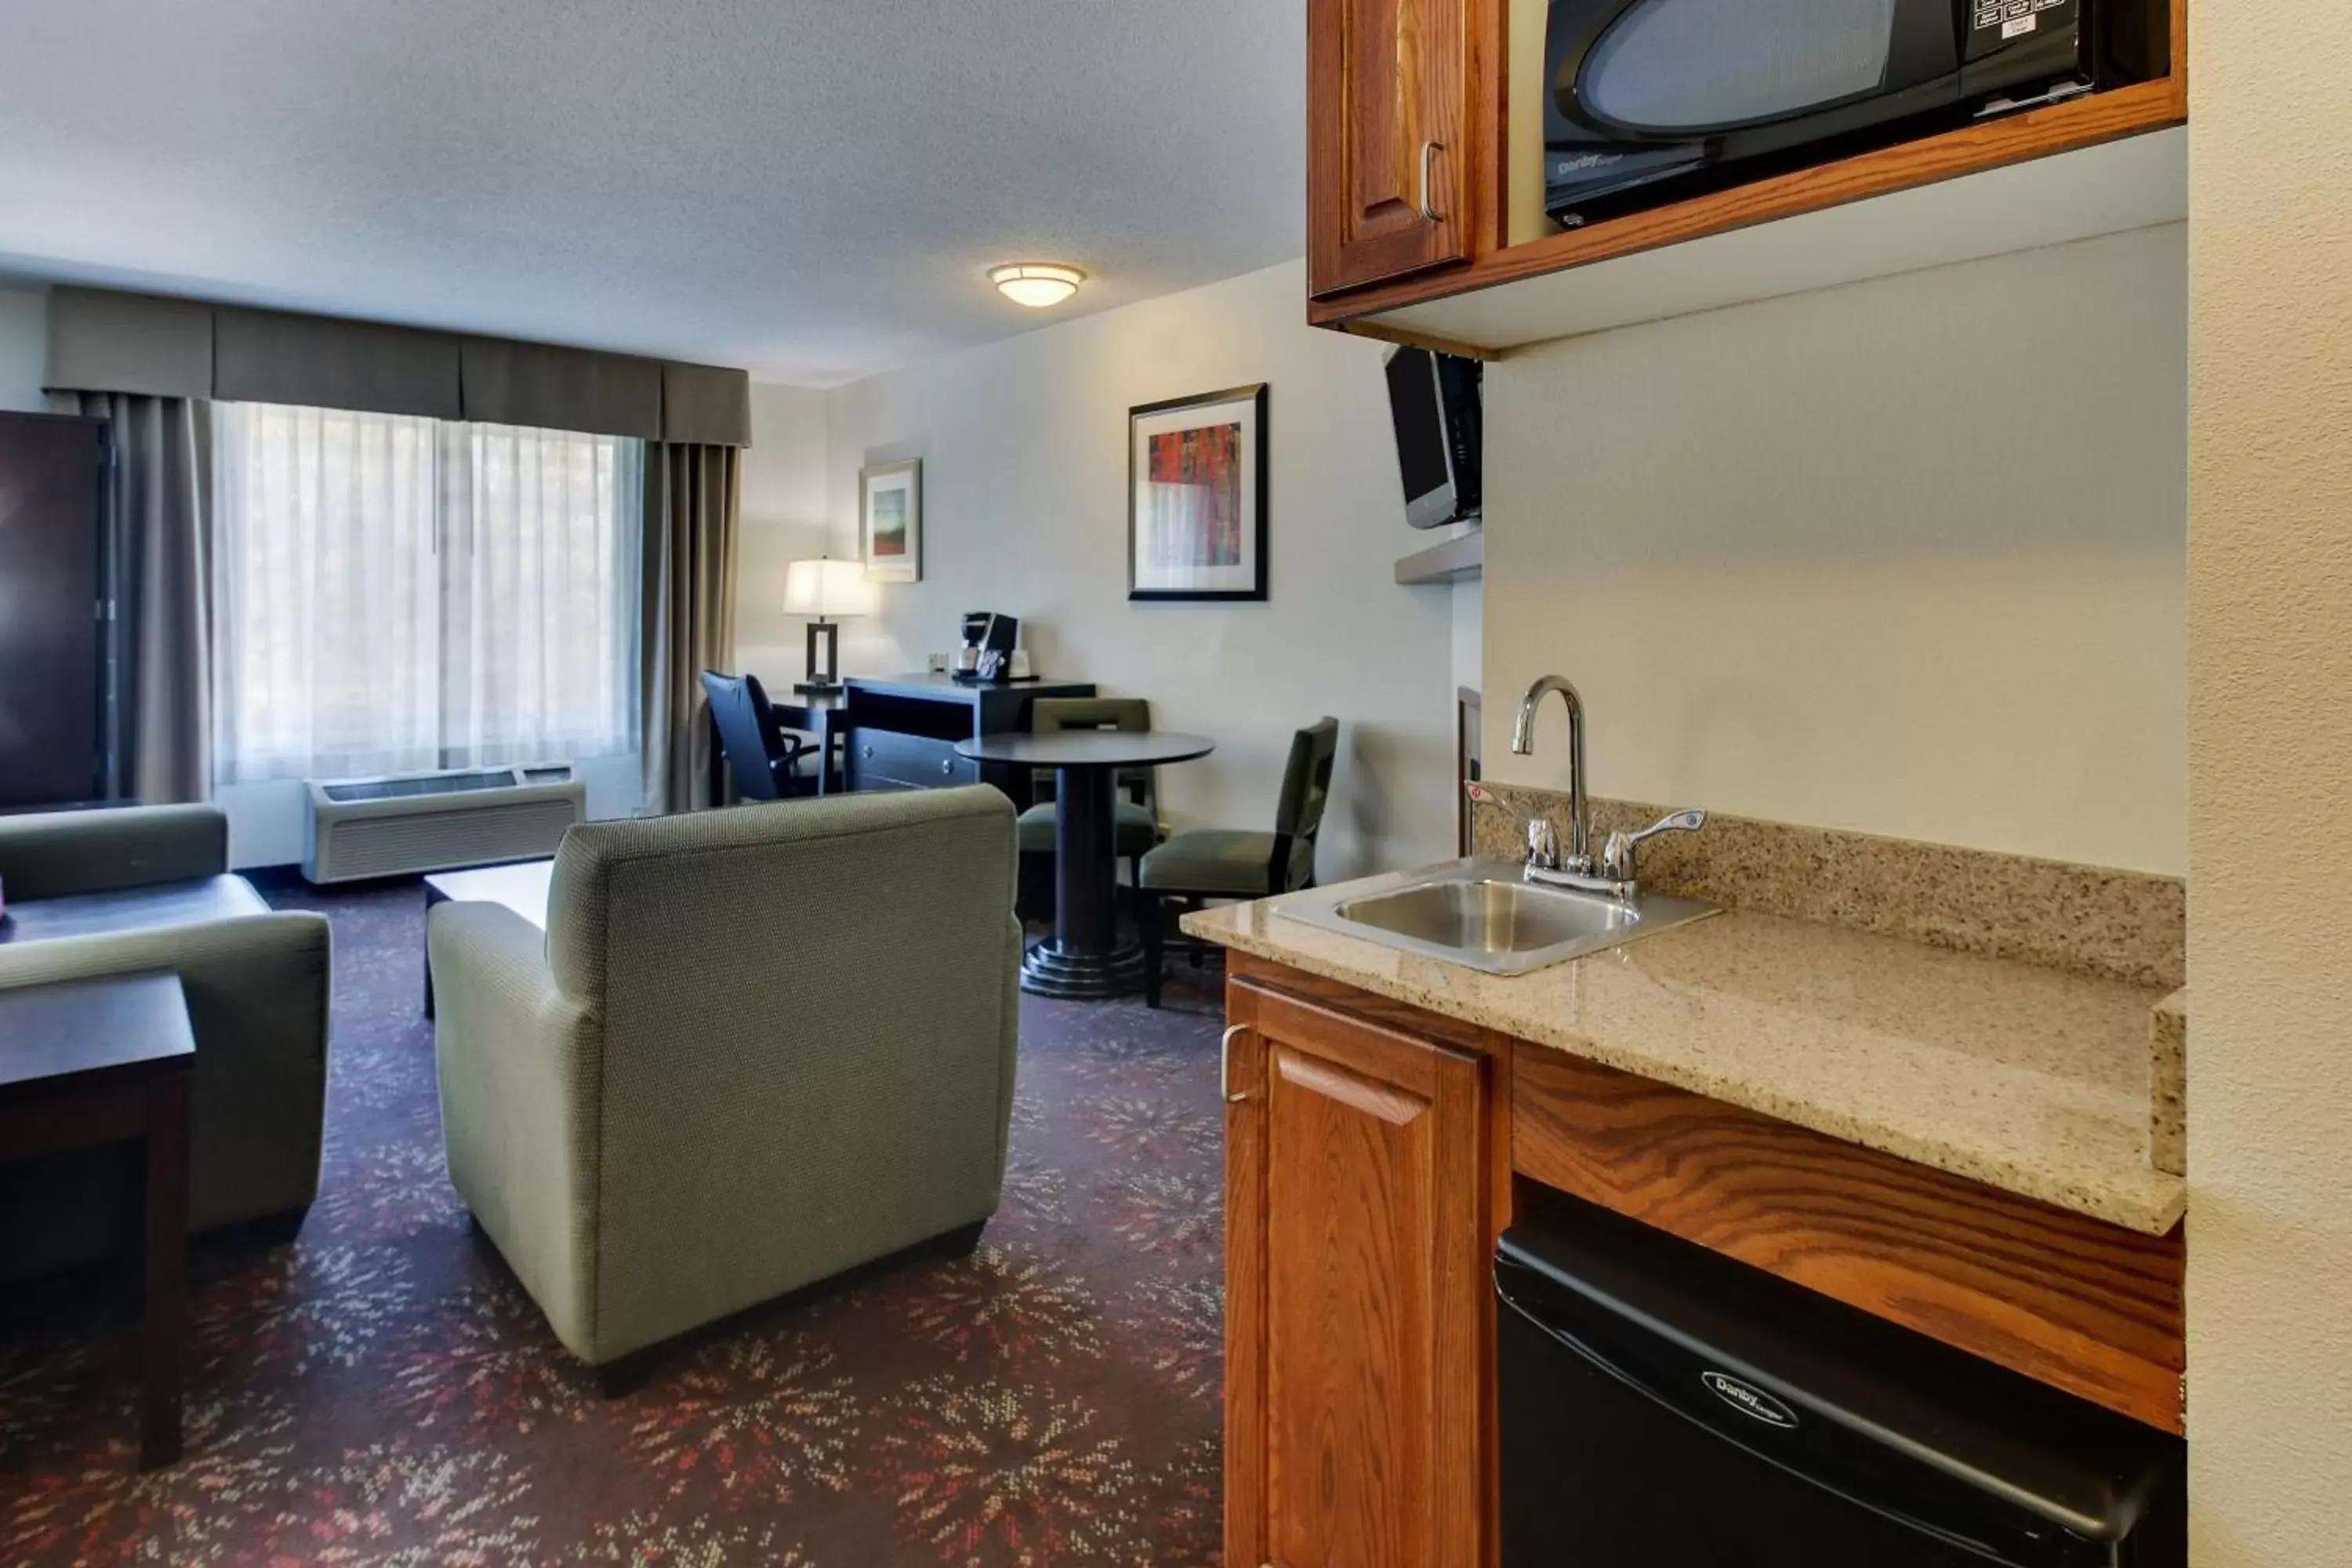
(1685, 67)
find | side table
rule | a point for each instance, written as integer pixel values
(86, 1063)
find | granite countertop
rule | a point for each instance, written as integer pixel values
(2032, 1080)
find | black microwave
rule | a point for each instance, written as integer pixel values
(1654, 101)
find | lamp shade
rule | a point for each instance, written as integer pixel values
(830, 588)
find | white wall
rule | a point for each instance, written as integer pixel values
(1469, 619)
(1906, 556)
(23, 347)
(2270, 747)
(784, 501)
(1024, 510)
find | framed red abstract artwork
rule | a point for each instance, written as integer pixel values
(1196, 497)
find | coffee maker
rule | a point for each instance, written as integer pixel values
(986, 656)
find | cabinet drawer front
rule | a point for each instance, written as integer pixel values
(1357, 1294)
(2070, 1300)
(881, 758)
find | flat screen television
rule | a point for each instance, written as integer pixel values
(1434, 401)
(53, 641)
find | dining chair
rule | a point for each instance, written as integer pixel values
(1204, 863)
(1136, 826)
(763, 755)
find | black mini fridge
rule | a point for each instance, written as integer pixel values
(1666, 1408)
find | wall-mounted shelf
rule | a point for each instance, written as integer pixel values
(1452, 560)
(2103, 189)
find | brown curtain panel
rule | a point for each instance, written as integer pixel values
(693, 503)
(162, 568)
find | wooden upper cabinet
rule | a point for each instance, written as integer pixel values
(1392, 139)
(1357, 1316)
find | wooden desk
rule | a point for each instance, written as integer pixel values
(900, 732)
(824, 715)
(903, 731)
(87, 1063)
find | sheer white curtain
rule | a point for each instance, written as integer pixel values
(397, 593)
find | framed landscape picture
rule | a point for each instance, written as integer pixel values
(1196, 497)
(890, 521)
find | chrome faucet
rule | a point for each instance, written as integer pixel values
(1579, 859)
(1545, 862)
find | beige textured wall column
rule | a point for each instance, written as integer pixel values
(2270, 775)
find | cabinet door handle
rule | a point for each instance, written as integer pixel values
(1224, 1061)
(1429, 151)
(947, 767)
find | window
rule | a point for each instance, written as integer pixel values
(394, 595)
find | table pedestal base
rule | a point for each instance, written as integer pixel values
(1049, 969)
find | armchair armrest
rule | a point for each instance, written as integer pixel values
(256, 989)
(51, 855)
(518, 1063)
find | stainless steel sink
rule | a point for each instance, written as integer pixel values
(1484, 915)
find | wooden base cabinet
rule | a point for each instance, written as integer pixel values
(1358, 1231)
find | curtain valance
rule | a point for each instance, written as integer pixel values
(101, 339)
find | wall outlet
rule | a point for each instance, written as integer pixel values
(936, 662)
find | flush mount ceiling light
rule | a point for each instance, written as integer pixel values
(1036, 284)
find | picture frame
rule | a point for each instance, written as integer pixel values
(1196, 497)
(890, 521)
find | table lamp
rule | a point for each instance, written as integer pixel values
(825, 589)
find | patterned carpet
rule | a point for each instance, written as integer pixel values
(381, 1392)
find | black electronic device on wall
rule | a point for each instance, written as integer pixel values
(1435, 402)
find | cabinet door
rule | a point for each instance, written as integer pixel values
(1357, 1303)
(1388, 128)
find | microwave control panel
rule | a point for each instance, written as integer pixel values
(1995, 24)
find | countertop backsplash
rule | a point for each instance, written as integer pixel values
(2119, 925)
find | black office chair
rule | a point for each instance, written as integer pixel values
(763, 756)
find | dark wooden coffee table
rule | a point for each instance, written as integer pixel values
(84, 1063)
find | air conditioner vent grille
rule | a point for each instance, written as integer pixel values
(383, 827)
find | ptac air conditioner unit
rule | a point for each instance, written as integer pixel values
(437, 822)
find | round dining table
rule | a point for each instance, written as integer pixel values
(1086, 956)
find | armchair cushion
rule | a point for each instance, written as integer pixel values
(51, 855)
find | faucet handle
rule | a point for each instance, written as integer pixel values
(1486, 797)
(1617, 855)
(1543, 838)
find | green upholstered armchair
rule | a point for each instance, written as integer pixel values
(1203, 863)
(257, 982)
(754, 1049)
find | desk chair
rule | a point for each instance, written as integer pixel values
(1204, 863)
(763, 757)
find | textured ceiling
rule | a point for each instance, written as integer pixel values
(810, 188)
